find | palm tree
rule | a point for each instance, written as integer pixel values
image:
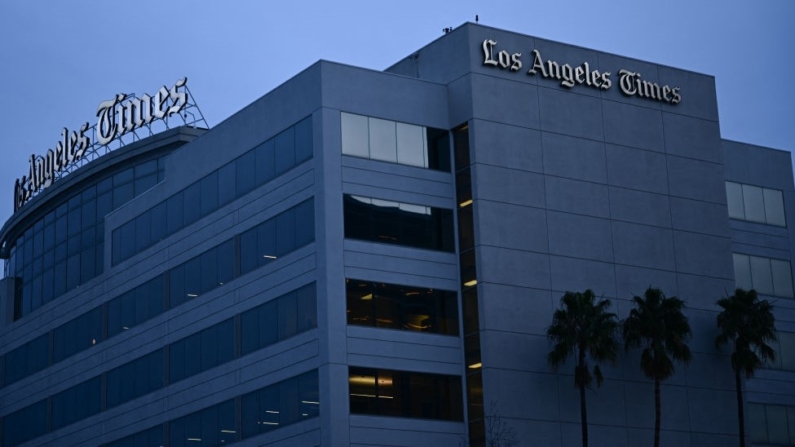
(749, 324)
(658, 325)
(582, 326)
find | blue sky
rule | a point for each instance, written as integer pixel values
(58, 60)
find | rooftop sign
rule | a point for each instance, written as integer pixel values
(124, 114)
(629, 82)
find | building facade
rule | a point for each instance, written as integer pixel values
(373, 258)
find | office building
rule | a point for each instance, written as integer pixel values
(372, 258)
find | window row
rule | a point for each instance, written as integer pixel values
(256, 167)
(295, 312)
(785, 352)
(771, 424)
(406, 144)
(401, 307)
(275, 406)
(382, 392)
(767, 276)
(182, 283)
(755, 204)
(64, 249)
(389, 222)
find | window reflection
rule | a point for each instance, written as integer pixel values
(755, 204)
(401, 307)
(393, 142)
(766, 275)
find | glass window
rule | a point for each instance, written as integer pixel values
(210, 426)
(774, 207)
(209, 193)
(285, 151)
(734, 200)
(401, 307)
(280, 404)
(76, 403)
(383, 140)
(27, 359)
(134, 379)
(152, 437)
(384, 221)
(227, 184)
(246, 173)
(265, 156)
(303, 140)
(742, 272)
(77, 335)
(405, 394)
(28, 423)
(191, 205)
(355, 135)
(782, 277)
(285, 232)
(761, 275)
(754, 203)
(777, 424)
(203, 350)
(411, 149)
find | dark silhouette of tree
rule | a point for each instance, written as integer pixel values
(658, 325)
(583, 327)
(748, 324)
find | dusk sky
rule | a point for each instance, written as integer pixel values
(59, 60)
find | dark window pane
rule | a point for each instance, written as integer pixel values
(306, 298)
(226, 262)
(209, 193)
(288, 316)
(246, 173)
(135, 379)
(122, 194)
(303, 140)
(191, 206)
(27, 359)
(175, 213)
(285, 232)
(143, 231)
(285, 151)
(76, 403)
(249, 252)
(28, 423)
(77, 335)
(304, 223)
(265, 159)
(159, 222)
(226, 184)
(438, 149)
(266, 242)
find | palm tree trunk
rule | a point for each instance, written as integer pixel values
(583, 410)
(740, 414)
(657, 412)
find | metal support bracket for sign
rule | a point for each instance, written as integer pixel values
(186, 117)
(124, 119)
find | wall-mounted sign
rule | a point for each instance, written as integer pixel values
(629, 82)
(115, 118)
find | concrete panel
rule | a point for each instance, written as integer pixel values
(575, 158)
(756, 165)
(508, 350)
(505, 101)
(643, 246)
(532, 433)
(503, 145)
(709, 371)
(629, 125)
(694, 179)
(613, 64)
(576, 275)
(598, 435)
(640, 406)
(700, 292)
(692, 137)
(606, 404)
(514, 391)
(644, 437)
(459, 101)
(633, 281)
(570, 114)
(512, 226)
(700, 254)
(564, 54)
(580, 237)
(515, 309)
(700, 217)
(574, 196)
(508, 185)
(403, 350)
(713, 411)
(513, 267)
(636, 169)
(398, 264)
(641, 207)
(699, 98)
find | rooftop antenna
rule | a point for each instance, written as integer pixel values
(476, 18)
